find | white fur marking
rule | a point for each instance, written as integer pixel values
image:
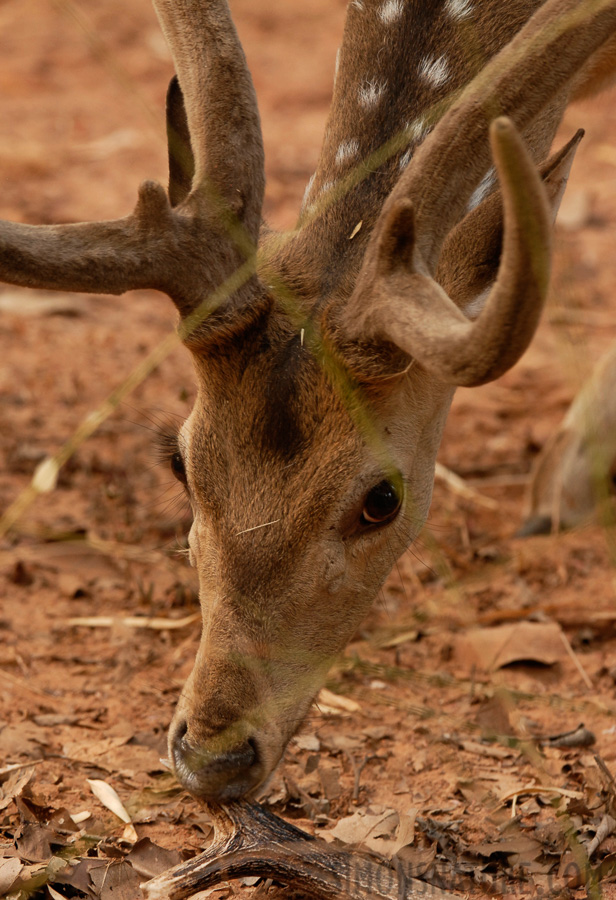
(346, 150)
(358, 4)
(434, 70)
(308, 189)
(337, 65)
(459, 9)
(418, 130)
(405, 158)
(370, 93)
(390, 11)
(482, 190)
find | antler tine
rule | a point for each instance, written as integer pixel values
(430, 327)
(221, 110)
(396, 298)
(472, 251)
(95, 257)
(154, 247)
(518, 83)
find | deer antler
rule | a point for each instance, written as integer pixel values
(251, 840)
(216, 183)
(221, 112)
(396, 298)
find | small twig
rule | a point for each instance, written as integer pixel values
(606, 772)
(357, 770)
(154, 623)
(251, 841)
(542, 789)
(14, 767)
(576, 662)
(460, 487)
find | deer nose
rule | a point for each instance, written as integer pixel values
(214, 774)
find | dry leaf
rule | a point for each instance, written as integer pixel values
(522, 847)
(116, 880)
(9, 873)
(494, 751)
(492, 648)
(14, 785)
(109, 798)
(417, 860)
(308, 742)
(347, 743)
(330, 781)
(406, 830)
(149, 860)
(129, 834)
(386, 832)
(328, 701)
(80, 817)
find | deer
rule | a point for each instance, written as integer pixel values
(574, 476)
(326, 357)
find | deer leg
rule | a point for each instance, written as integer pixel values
(250, 841)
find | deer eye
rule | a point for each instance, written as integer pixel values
(177, 466)
(382, 503)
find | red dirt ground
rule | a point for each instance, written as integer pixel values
(459, 750)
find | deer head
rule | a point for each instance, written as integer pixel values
(326, 359)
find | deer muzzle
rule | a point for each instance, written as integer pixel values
(220, 772)
(233, 720)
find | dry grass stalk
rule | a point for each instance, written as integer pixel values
(458, 486)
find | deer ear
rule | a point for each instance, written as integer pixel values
(181, 158)
(471, 254)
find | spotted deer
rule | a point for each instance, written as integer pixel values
(326, 358)
(574, 476)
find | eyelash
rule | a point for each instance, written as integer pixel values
(166, 444)
(169, 453)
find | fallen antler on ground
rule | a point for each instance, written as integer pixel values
(250, 841)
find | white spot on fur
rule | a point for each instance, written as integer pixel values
(346, 151)
(358, 4)
(370, 93)
(337, 65)
(326, 188)
(418, 130)
(390, 11)
(482, 190)
(434, 71)
(459, 9)
(405, 159)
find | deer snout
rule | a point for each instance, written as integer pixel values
(217, 771)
